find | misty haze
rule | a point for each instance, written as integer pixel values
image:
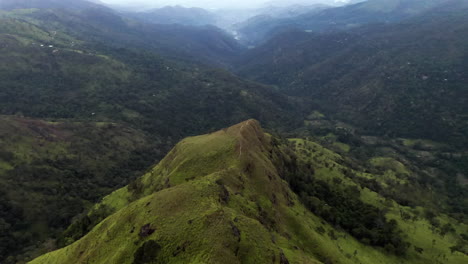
(211, 4)
(234, 132)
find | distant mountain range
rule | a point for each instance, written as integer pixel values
(206, 44)
(280, 3)
(177, 15)
(259, 28)
(404, 79)
(340, 18)
(64, 4)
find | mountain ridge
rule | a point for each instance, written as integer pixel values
(244, 141)
(177, 15)
(227, 192)
(64, 4)
(341, 18)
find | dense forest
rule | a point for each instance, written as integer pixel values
(403, 80)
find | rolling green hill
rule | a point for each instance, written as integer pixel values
(224, 197)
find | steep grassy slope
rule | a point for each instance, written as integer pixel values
(52, 171)
(405, 80)
(422, 222)
(438, 171)
(220, 198)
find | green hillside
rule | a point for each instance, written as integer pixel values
(52, 171)
(202, 44)
(225, 198)
(53, 74)
(400, 80)
(48, 71)
(365, 160)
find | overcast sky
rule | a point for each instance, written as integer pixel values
(215, 3)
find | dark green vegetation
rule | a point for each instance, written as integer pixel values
(383, 91)
(204, 44)
(399, 80)
(51, 171)
(375, 167)
(77, 78)
(420, 172)
(99, 25)
(225, 191)
(66, 66)
(343, 207)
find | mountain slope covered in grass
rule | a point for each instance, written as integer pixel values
(226, 197)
